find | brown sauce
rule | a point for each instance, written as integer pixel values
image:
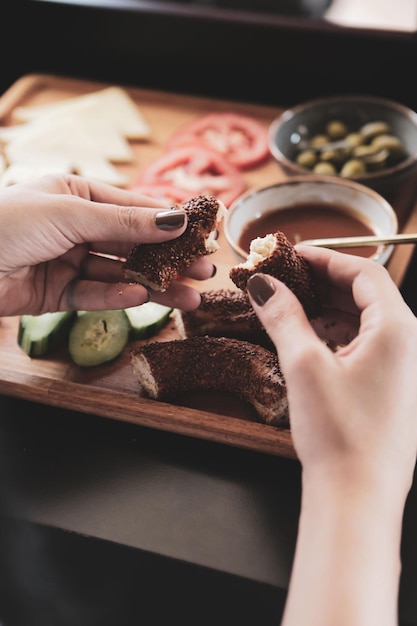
(309, 221)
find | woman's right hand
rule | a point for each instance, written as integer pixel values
(359, 404)
(353, 419)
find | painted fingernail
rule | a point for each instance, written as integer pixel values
(170, 220)
(260, 288)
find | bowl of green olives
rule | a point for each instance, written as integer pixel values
(370, 140)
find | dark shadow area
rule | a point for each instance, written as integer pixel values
(304, 8)
(278, 60)
(52, 577)
(70, 580)
(409, 284)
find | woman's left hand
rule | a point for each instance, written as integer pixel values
(50, 227)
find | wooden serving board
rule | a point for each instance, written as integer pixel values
(111, 390)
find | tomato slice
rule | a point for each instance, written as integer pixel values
(163, 192)
(196, 170)
(241, 139)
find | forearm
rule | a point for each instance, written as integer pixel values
(347, 564)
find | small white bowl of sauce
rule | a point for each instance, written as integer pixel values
(312, 207)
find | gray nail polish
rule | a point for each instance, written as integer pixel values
(170, 220)
(260, 288)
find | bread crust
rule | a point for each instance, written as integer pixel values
(252, 372)
(223, 313)
(155, 265)
(274, 254)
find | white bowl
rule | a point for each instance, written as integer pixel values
(342, 195)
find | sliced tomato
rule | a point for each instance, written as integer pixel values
(163, 192)
(196, 170)
(241, 139)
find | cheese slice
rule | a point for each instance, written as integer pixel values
(111, 106)
(7, 133)
(84, 134)
(112, 145)
(21, 172)
(69, 146)
(69, 135)
(3, 164)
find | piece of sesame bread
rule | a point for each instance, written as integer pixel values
(274, 254)
(252, 372)
(155, 265)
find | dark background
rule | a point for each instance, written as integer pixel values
(208, 48)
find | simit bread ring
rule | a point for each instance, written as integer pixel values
(164, 368)
(274, 254)
(155, 265)
(222, 313)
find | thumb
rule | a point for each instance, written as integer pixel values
(284, 319)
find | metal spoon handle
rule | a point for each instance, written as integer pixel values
(367, 240)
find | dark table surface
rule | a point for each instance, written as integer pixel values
(115, 523)
(105, 509)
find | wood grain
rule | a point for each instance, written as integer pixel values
(111, 390)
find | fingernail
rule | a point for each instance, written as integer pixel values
(214, 271)
(260, 288)
(170, 220)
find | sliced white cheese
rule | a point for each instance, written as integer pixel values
(70, 135)
(3, 164)
(83, 134)
(70, 146)
(7, 133)
(111, 106)
(20, 172)
(98, 169)
(102, 170)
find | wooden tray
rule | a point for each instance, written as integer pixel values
(112, 390)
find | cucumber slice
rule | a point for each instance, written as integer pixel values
(147, 319)
(98, 336)
(39, 335)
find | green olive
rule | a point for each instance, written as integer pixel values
(391, 143)
(378, 160)
(319, 140)
(374, 158)
(307, 158)
(354, 139)
(336, 129)
(364, 151)
(353, 167)
(324, 168)
(333, 156)
(372, 129)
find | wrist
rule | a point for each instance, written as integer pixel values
(358, 483)
(347, 561)
(358, 515)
